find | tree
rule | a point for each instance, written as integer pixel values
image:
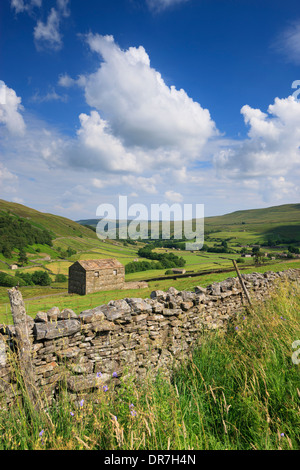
(255, 250)
(22, 259)
(258, 257)
(41, 278)
(6, 250)
(60, 278)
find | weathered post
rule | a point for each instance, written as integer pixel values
(23, 345)
(242, 282)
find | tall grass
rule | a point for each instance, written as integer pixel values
(239, 390)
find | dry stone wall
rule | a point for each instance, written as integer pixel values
(128, 336)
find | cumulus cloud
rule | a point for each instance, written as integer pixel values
(140, 108)
(138, 123)
(272, 147)
(278, 189)
(173, 196)
(10, 110)
(100, 148)
(141, 183)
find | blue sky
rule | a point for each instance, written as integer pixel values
(164, 101)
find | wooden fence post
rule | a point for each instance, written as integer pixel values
(23, 345)
(242, 282)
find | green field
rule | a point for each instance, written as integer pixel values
(60, 298)
(236, 391)
(242, 228)
(260, 383)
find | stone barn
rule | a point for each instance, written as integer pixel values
(87, 276)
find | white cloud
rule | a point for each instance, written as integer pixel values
(288, 42)
(158, 5)
(119, 146)
(21, 5)
(48, 34)
(272, 148)
(10, 110)
(278, 189)
(8, 182)
(18, 200)
(66, 81)
(99, 148)
(50, 96)
(142, 183)
(62, 6)
(6, 175)
(173, 196)
(99, 184)
(141, 109)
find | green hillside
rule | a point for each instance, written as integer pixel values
(280, 223)
(58, 226)
(277, 222)
(72, 242)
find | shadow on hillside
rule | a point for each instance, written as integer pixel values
(284, 232)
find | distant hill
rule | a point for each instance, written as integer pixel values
(276, 222)
(58, 226)
(272, 222)
(289, 213)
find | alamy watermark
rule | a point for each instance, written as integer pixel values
(295, 358)
(163, 221)
(296, 84)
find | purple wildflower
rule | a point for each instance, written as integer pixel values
(81, 402)
(133, 413)
(115, 374)
(99, 374)
(131, 405)
(40, 434)
(105, 388)
(282, 434)
(71, 413)
(236, 327)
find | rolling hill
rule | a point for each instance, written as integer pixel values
(276, 222)
(58, 226)
(281, 222)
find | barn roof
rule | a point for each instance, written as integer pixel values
(98, 264)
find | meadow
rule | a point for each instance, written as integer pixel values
(43, 298)
(239, 390)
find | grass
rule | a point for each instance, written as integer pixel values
(238, 391)
(62, 299)
(57, 225)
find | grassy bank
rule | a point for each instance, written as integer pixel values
(238, 391)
